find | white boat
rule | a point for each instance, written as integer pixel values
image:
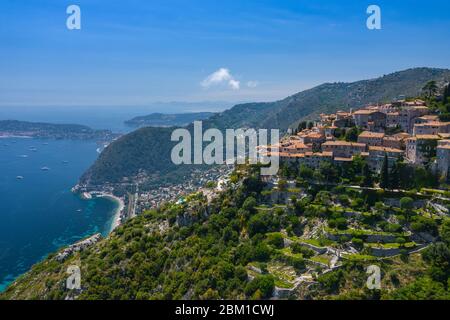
(19, 177)
(86, 196)
(45, 168)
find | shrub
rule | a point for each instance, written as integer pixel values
(299, 249)
(406, 203)
(264, 284)
(276, 240)
(358, 243)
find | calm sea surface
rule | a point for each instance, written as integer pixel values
(39, 214)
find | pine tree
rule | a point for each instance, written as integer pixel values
(384, 175)
(446, 93)
(430, 89)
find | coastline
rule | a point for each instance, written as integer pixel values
(117, 220)
(118, 214)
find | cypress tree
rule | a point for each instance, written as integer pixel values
(394, 177)
(384, 175)
(367, 176)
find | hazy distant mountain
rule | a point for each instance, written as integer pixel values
(149, 150)
(167, 120)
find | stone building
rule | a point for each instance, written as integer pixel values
(343, 149)
(443, 158)
(371, 138)
(371, 120)
(421, 148)
(377, 155)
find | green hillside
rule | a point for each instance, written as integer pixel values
(242, 245)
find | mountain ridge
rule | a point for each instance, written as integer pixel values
(282, 114)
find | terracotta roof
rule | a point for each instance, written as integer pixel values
(429, 117)
(300, 145)
(299, 155)
(432, 124)
(326, 153)
(364, 154)
(343, 143)
(364, 111)
(444, 142)
(370, 134)
(427, 137)
(320, 154)
(315, 135)
(343, 159)
(390, 138)
(385, 149)
(402, 135)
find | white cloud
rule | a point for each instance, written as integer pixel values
(234, 84)
(221, 76)
(252, 84)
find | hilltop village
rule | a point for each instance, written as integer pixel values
(400, 130)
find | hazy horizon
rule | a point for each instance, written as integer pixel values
(141, 53)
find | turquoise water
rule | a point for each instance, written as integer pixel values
(39, 214)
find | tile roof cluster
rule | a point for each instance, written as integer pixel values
(370, 134)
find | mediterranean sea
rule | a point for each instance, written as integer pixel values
(38, 212)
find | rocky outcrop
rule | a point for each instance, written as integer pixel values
(79, 246)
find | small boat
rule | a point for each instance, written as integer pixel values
(23, 156)
(65, 162)
(19, 177)
(86, 196)
(45, 168)
(79, 210)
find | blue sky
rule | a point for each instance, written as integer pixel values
(136, 52)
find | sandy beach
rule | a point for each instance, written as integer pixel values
(118, 214)
(117, 220)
